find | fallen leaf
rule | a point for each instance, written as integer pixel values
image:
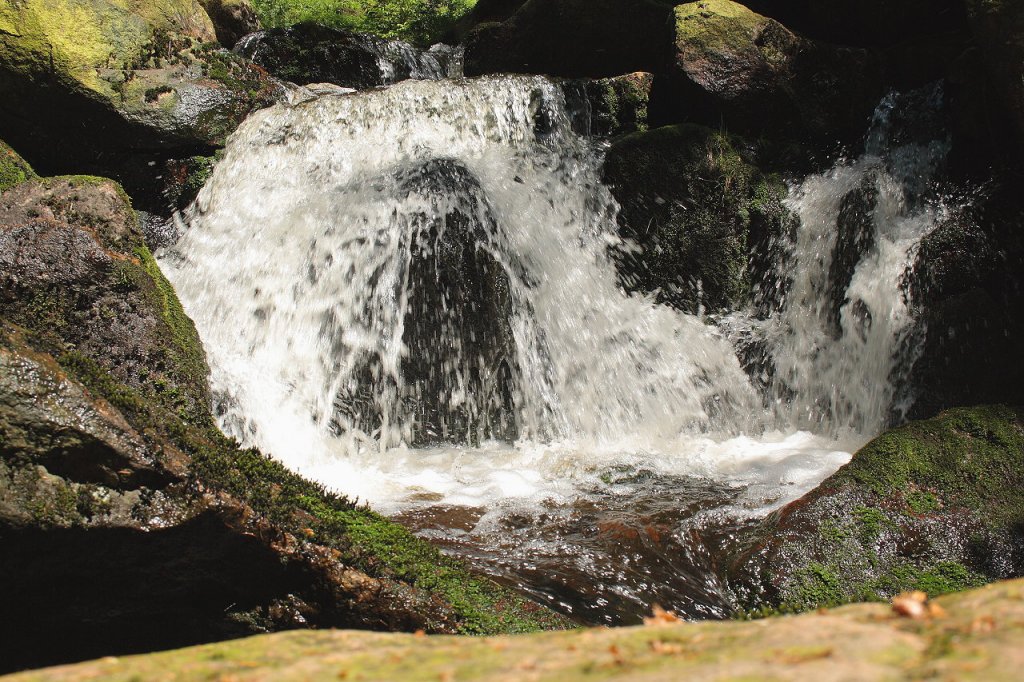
(660, 616)
(911, 605)
(983, 624)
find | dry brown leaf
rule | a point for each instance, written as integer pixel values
(660, 616)
(911, 605)
(982, 625)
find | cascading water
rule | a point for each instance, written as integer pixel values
(406, 295)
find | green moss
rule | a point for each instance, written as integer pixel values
(871, 521)
(922, 502)
(14, 170)
(972, 458)
(716, 26)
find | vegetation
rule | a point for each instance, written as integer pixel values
(418, 21)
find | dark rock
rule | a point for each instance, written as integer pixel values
(698, 210)
(759, 78)
(311, 53)
(855, 236)
(575, 38)
(967, 286)
(934, 505)
(231, 19)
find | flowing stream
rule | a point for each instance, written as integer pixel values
(405, 294)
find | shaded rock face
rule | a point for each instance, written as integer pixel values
(933, 505)
(999, 29)
(231, 19)
(311, 53)
(123, 92)
(763, 79)
(968, 291)
(698, 210)
(575, 38)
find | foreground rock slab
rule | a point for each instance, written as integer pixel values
(970, 636)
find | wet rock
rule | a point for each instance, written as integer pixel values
(855, 237)
(311, 53)
(608, 38)
(933, 506)
(231, 19)
(761, 79)
(118, 91)
(608, 107)
(697, 210)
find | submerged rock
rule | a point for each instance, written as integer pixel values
(933, 505)
(130, 523)
(695, 210)
(970, 636)
(118, 90)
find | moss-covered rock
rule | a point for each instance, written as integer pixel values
(113, 88)
(759, 77)
(610, 107)
(972, 636)
(130, 522)
(933, 505)
(13, 169)
(699, 210)
(575, 38)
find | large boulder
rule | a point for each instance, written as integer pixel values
(115, 88)
(751, 73)
(695, 210)
(130, 523)
(575, 38)
(934, 505)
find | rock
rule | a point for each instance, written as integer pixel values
(608, 38)
(231, 19)
(131, 522)
(933, 506)
(13, 169)
(867, 23)
(609, 107)
(967, 289)
(125, 90)
(734, 66)
(998, 26)
(75, 270)
(698, 209)
(311, 53)
(969, 636)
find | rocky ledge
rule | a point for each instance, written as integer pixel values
(969, 636)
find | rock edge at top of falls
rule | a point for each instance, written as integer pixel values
(969, 636)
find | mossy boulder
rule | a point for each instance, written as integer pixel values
(131, 523)
(971, 636)
(231, 19)
(13, 169)
(934, 505)
(113, 87)
(734, 66)
(699, 210)
(575, 38)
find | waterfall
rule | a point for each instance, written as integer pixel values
(406, 294)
